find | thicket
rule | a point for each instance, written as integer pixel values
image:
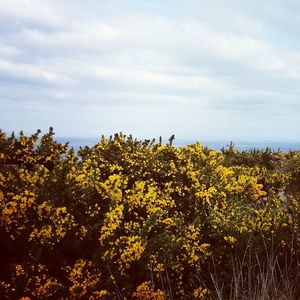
(130, 219)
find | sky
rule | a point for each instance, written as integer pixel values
(205, 70)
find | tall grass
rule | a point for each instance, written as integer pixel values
(257, 277)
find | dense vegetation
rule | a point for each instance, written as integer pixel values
(129, 219)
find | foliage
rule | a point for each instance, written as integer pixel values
(138, 219)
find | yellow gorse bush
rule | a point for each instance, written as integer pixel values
(129, 219)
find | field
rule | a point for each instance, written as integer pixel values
(130, 219)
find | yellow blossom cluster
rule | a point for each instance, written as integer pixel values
(130, 219)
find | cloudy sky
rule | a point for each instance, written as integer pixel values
(207, 70)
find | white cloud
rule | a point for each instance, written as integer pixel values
(203, 66)
(8, 51)
(34, 11)
(25, 72)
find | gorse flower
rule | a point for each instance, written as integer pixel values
(130, 219)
